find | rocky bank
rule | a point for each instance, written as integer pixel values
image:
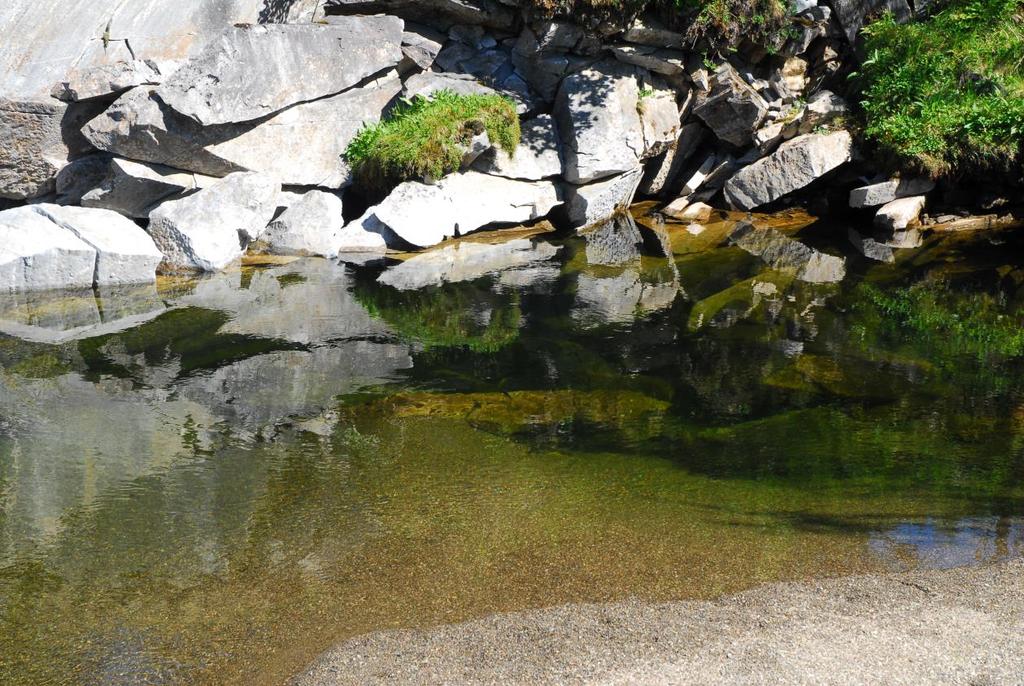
(137, 137)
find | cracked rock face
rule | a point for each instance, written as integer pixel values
(221, 85)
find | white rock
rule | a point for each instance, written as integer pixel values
(695, 212)
(364, 235)
(207, 230)
(252, 71)
(538, 155)
(424, 215)
(900, 213)
(308, 227)
(796, 164)
(36, 253)
(427, 83)
(125, 254)
(880, 193)
(596, 202)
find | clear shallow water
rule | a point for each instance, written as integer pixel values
(214, 481)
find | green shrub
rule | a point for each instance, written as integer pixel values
(947, 95)
(421, 138)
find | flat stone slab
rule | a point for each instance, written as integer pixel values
(538, 155)
(36, 253)
(232, 81)
(878, 194)
(134, 188)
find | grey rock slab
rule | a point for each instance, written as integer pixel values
(106, 80)
(538, 155)
(423, 215)
(465, 261)
(731, 108)
(662, 172)
(779, 251)
(81, 176)
(223, 85)
(125, 254)
(878, 194)
(598, 118)
(658, 60)
(363, 235)
(796, 164)
(900, 213)
(43, 41)
(206, 231)
(308, 227)
(821, 110)
(133, 188)
(659, 119)
(140, 127)
(648, 31)
(421, 44)
(599, 201)
(36, 253)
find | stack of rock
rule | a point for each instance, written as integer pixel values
(221, 128)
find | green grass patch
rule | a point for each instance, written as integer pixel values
(424, 137)
(946, 95)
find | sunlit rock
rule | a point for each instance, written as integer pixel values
(465, 261)
(36, 253)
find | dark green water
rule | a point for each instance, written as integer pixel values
(213, 482)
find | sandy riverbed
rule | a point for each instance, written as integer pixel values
(960, 626)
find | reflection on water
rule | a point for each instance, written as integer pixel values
(213, 481)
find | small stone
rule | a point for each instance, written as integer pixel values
(900, 213)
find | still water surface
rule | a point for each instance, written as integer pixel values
(214, 481)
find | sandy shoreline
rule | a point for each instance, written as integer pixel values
(960, 626)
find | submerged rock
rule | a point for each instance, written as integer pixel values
(784, 253)
(221, 85)
(208, 230)
(423, 215)
(732, 109)
(795, 165)
(871, 248)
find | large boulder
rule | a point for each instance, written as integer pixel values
(302, 145)
(427, 83)
(795, 165)
(599, 120)
(732, 108)
(224, 83)
(309, 226)
(36, 253)
(43, 41)
(877, 194)
(538, 155)
(125, 254)
(208, 230)
(422, 215)
(134, 188)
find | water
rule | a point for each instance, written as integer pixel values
(213, 481)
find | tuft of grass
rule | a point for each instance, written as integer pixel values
(422, 138)
(946, 95)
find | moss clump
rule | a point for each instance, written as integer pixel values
(947, 95)
(423, 138)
